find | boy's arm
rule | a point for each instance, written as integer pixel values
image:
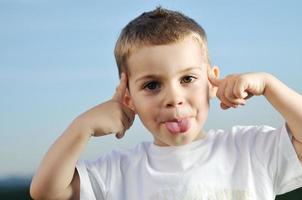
(235, 89)
(57, 177)
(289, 104)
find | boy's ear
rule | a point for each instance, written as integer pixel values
(128, 101)
(213, 73)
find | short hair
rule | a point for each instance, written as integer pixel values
(157, 27)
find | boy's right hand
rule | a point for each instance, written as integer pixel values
(109, 117)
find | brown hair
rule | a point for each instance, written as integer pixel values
(156, 27)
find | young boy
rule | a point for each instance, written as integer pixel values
(167, 80)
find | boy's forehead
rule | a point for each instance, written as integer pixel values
(159, 58)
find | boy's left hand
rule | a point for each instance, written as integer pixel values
(235, 89)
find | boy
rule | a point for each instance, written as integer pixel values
(167, 80)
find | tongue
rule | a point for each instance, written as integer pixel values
(178, 126)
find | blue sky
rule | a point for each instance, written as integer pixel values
(56, 61)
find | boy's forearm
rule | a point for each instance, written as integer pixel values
(57, 169)
(287, 102)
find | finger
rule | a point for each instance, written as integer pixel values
(248, 95)
(121, 89)
(127, 121)
(228, 92)
(231, 96)
(240, 89)
(238, 94)
(220, 91)
(228, 103)
(221, 95)
(214, 81)
(129, 115)
(223, 106)
(119, 135)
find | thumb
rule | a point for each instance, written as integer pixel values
(120, 89)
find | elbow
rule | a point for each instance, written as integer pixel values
(39, 191)
(34, 191)
(36, 194)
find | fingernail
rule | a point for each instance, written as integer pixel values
(119, 135)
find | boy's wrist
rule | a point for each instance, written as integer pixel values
(80, 127)
(268, 81)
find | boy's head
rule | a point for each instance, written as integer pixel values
(157, 27)
(164, 55)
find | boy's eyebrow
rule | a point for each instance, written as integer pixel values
(152, 76)
(191, 68)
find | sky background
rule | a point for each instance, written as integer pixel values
(56, 61)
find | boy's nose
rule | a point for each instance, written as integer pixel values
(174, 104)
(173, 98)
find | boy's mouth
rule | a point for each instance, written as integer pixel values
(177, 126)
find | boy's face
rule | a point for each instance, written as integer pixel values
(170, 91)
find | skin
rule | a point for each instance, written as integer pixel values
(164, 89)
(165, 82)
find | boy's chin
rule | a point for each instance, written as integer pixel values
(187, 138)
(176, 141)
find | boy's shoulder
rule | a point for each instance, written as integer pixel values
(251, 135)
(139, 150)
(240, 130)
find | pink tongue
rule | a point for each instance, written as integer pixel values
(178, 127)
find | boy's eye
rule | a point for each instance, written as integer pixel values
(153, 85)
(188, 79)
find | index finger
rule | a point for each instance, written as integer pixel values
(214, 81)
(121, 89)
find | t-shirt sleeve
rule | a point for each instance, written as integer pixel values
(275, 151)
(93, 178)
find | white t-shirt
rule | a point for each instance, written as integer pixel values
(245, 163)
